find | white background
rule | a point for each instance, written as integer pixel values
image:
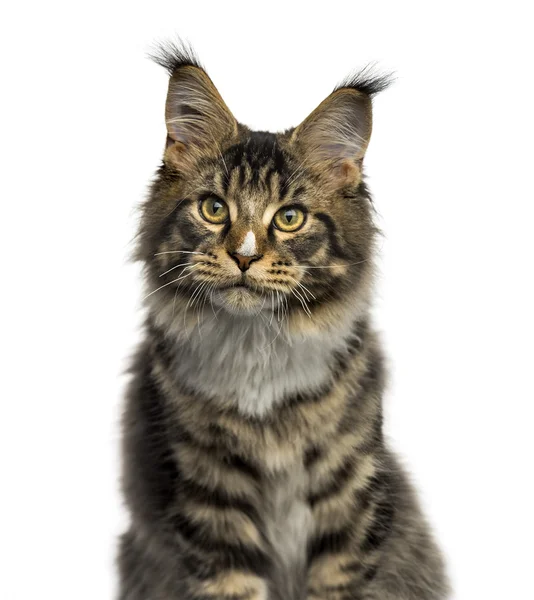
(450, 165)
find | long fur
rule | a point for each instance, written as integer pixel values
(255, 465)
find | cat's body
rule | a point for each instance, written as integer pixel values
(255, 466)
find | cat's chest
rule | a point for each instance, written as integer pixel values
(288, 523)
(254, 367)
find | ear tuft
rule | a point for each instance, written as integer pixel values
(197, 118)
(334, 137)
(367, 81)
(172, 55)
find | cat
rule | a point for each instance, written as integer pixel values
(254, 462)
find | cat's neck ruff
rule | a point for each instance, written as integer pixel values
(255, 363)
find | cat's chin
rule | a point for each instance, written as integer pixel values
(239, 300)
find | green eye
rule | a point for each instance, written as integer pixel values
(214, 210)
(289, 219)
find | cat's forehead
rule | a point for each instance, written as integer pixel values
(256, 172)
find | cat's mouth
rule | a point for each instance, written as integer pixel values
(239, 298)
(233, 286)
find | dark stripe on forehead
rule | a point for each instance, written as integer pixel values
(262, 148)
(221, 182)
(267, 180)
(242, 175)
(298, 193)
(284, 187)
(258, 151)
(225, 183)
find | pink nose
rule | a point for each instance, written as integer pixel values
(244, 262)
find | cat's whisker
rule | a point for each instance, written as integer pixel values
(173, 281)
(196, 294)
(219, 150)
(186, 309)
(261, 307)
(302, 301)
(178, 252)
(175, 267)
(306, 291)
(202, 301)
(201, 296)
(296, 173)
(211, 290)
(278, 332)
(310, 267)
(272, 308)
(329, 266)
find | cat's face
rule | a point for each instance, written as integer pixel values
(255, 223)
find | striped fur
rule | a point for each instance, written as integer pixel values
(254, 461)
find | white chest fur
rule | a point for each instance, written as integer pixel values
(252, 363)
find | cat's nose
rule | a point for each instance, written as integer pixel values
(244, 262)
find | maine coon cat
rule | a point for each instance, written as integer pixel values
(255, 466)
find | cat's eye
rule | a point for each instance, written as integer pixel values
(289, 218)
(214, 210)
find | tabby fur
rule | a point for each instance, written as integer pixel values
(255, 465)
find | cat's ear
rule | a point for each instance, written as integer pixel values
(197, 118)
(333, 139)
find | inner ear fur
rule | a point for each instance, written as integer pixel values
(197, 118)
(333, 139)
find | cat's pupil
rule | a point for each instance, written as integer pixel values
(290, 214)
(216, 207)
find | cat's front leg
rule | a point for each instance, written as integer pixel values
(224, 557)
(338, 576)
(351, 519)
(157, 568)
(231, 584)
(217, 520)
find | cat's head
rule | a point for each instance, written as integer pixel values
(255, 223)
